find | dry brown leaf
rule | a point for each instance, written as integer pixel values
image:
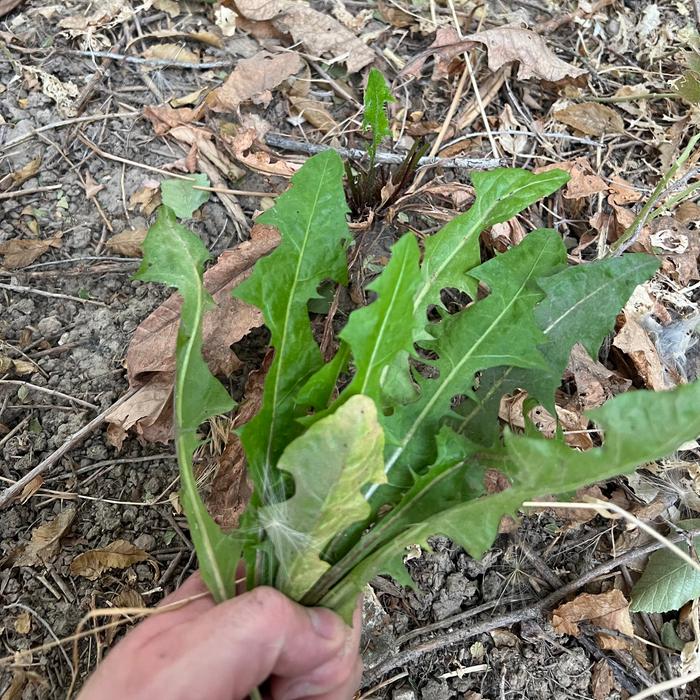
(107, 14)
(239, 146)
(150, 358)
(679, 245)
(394, 15)
(119, 554)
(621, 192)
(26, 172)
(225, 20)
(319, 33)
(231, 487)
(591, 118)
(688, 211)
(46, 540)
(31, 488)
(164, 117)
(509, 44)
(23, 623)
(18, 367)
(634, 341)
(595, 383)
(170, 7)
(584, 181)
(7, 6)
(602, 680)
(253, 80)
(314, 112)
(171, 52)
(22, 252)
(609, 610)
(146, 199)
(127, 243)
(91, 187)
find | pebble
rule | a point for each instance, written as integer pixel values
(145, 541)
(49, 326)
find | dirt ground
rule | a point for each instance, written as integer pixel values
(72, 311)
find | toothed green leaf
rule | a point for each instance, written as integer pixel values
(639, 427)
(479, 337)
(311, 219)
(377, 96)
(580, 306)
(173, 255)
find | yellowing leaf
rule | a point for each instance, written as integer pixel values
(120, 554)
(23, 623)
(46, 540)
(330, 463)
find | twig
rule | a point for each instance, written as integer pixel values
(530, 612)
(29, 190)
(15, 430)
(666, 685)
(151, 61)
(67, 122)
(46, 390)
(52, 295)
(278, 141)
(10, 492)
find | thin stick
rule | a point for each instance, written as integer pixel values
(67, 122)
(530, 612)
(10, 492)
(278, 141)
(603, 506)
(30, 190)
(15, 430)
(666, 685)
(168, 63)
(50, 392)
(52, 295)
(242, 193)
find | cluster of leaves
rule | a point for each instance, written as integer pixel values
(389, 443)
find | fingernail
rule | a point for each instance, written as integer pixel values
(325, 623)
(303, 689)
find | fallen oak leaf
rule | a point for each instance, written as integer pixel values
(165, 117)
(509, 44)
(119, 554)
(253, 79)
(46, 540)
(171, 52)
(20, 252)
(150, 357)
(583, 181)
(314, 112)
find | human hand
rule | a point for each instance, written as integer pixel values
(222, 652)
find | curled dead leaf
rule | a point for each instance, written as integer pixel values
(23, 623)
(591, 118)
(165, 117)
(20, 252)
(239, 146)
(314, 112)
(150, 357)
(253, 79)
(119, 554)
(7, 6)
(609, 610)
(46, 540)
